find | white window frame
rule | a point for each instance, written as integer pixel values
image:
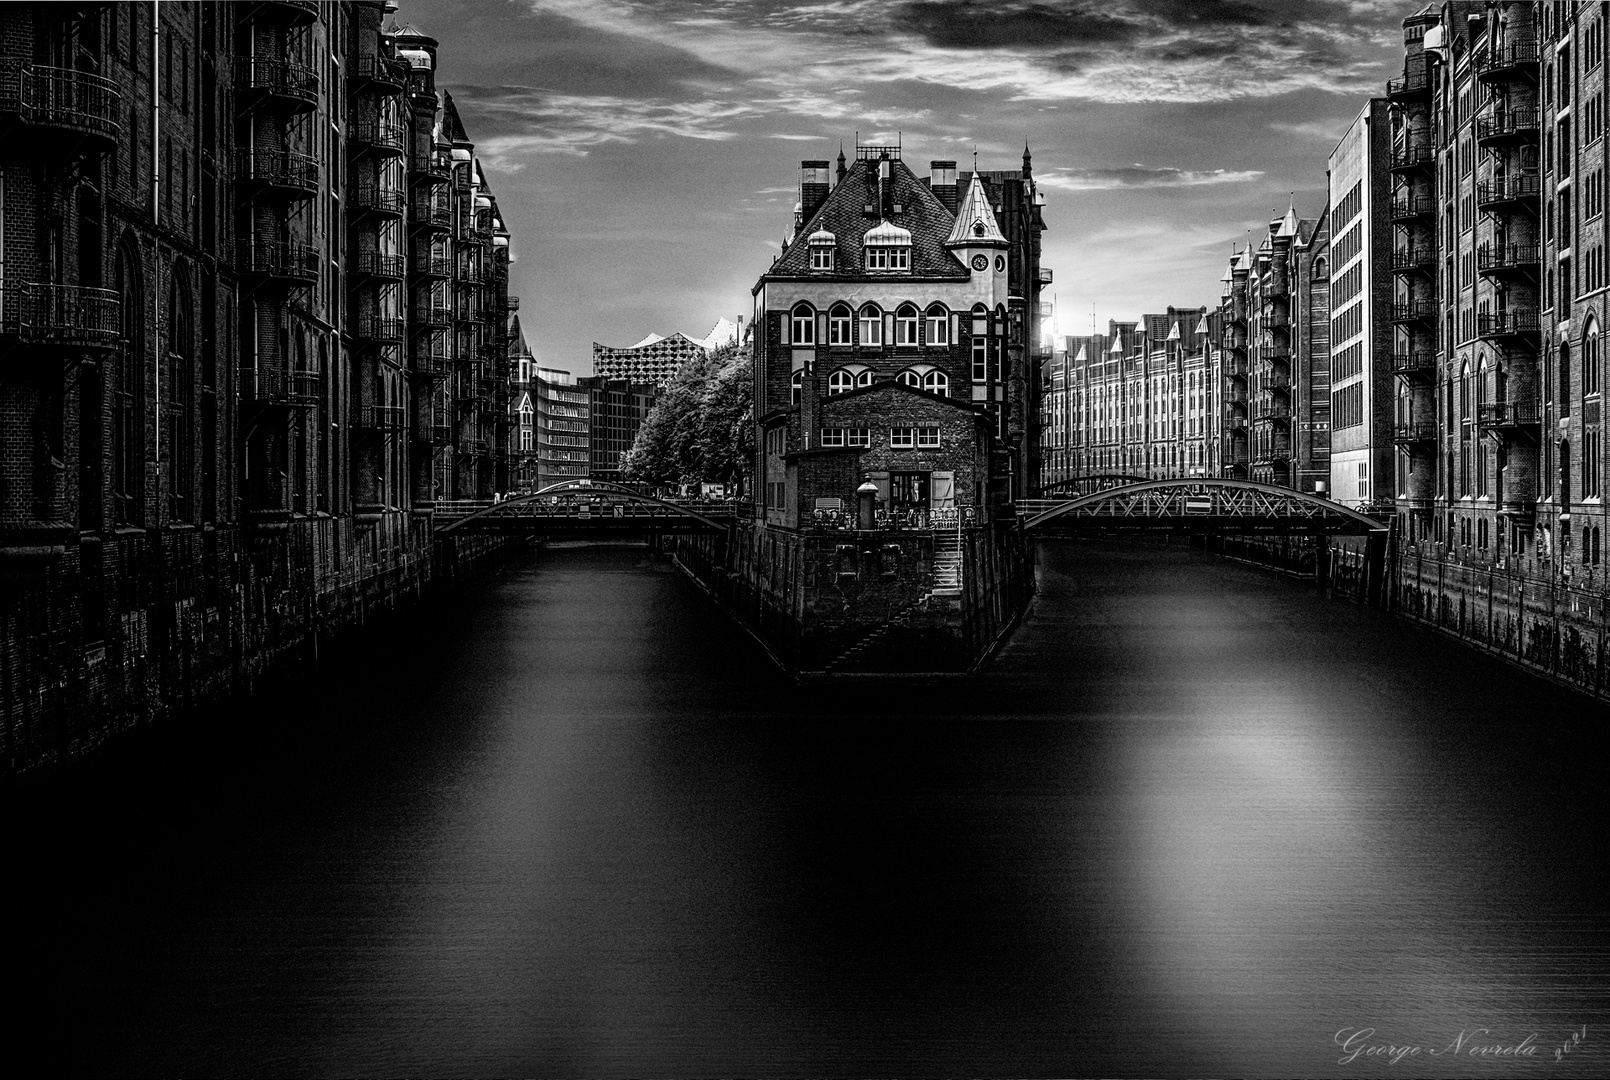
(832, 437)
(906, 321)
(899, 258)
(821, 257)
(804, 326)
(840, 382)
(871, 326)
(902, 438)
(936, 382)
(839, 326)
(877, 258)
(796, 386)
(858, 437)
(909, 377)
(938, 327)
(928, 438)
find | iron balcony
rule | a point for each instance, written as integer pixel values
(40, 313)
(1411, 207)
(431, 316)
(295, 12)
(280, 82)
(1501, 258)
(385, 417)
(1415, 154)
(1414, 311)
(1509, 415)
(62, 101)
(1512, 125)
(431, 266)
(374, 199)
(292, 264)
(437, 217)
(1414, 431)
(282, 173)
(293, 389)
(1413, 259)
(1414, 363)
(375, 135)
(1415, 82)
(1512, 323)
(1519, 188)
(1507, 62)
(374, 264)
(379, 73)
(380, 328)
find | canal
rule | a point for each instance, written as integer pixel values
(1193, 821)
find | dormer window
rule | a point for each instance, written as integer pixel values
(822, 243)
(888, 247)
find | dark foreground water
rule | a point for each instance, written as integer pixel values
(1195, 821)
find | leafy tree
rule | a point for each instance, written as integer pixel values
(699, 428)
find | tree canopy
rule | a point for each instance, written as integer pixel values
(700, 426)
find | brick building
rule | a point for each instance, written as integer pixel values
(255, 291)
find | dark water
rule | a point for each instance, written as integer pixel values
(1194, 822)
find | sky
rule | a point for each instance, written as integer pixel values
(645, 153)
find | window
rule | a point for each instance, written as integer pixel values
(804, 325)
(795, 384)
(937, 382)
(928, 438)
(902, 438)
(864, 377)
(840, 382)
(905, 326)
(910, 377)
(871, 326)
(888, 258)
(858, 437)
(980, 345)
(832, 436)
(838, 325)
(938, 326)
(1590, 359)
(821, 257)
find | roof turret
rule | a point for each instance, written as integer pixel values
(975, 220)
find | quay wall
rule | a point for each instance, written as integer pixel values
(106, 634)
(837, 603)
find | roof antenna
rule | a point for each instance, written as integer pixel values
(975, 157)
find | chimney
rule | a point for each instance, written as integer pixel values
(813, 187)
(942, 181)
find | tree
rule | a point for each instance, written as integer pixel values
(700, 426)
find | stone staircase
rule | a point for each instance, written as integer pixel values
(947, 563)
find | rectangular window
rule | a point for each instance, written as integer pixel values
(980, 358)
(902, 438)
(877, 258)
(832, 436)
(804, 327)
(821, 258)
(838, 329)
(871, 327)
(899, 258)
(938, 329)
(928, 438)
(905, 328)
(859, 437)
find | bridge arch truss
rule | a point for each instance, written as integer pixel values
(590, 505)
(1199, 505)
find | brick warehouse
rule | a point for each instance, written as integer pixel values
(894, 419)
(253, 314)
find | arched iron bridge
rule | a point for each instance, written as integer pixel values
(582, 508)
(1197, 506)
(1085, 485)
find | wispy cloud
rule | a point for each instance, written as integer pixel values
(545, 121)
(1140, 176)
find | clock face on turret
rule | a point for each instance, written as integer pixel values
(980, 262)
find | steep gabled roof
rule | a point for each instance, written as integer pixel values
(843, 214)
(975, 219)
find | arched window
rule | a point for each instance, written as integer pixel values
(795, 384)
(863, 377)
(181, 403)
(840, 382)
(804, 325)
(1564, 400)
(1320, 267)
(1590, 358)
(937, 382)
(980, 343)
(938, 328)
(909, 377)
(905, 325)
(838, 325)
(871, 326)
(128, 457)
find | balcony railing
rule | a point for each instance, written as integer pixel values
(297, 389)
(385, 417)
(379, 328)
(432, 266)
(1507, 60)
(436, 434)
(1506, 323)
(1414, 363)
(1044, 275)
(431, 215)
(1414, 310)
(470, 272)
(1496, 257)
(1413, 259)
(1509, 124)
(373, 198)
(513, 304)
(281, 171)
(299, 12)
(432, 315)
(430, 363)
(287, 262)
(1414, 431)
(374, 264)
(378, 135)
(1509, 414)
(1409, 207)
(39, 313)
(379, 73)
(294, 85)
(1415, 154)
(1275, 350)
(1518, 188)
(61, 99)
(1414, 82)
(1274, 380)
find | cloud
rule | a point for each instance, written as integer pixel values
(1323, 131)
(1139, 176)
(546, 121)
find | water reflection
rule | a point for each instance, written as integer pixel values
(1193, 822)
